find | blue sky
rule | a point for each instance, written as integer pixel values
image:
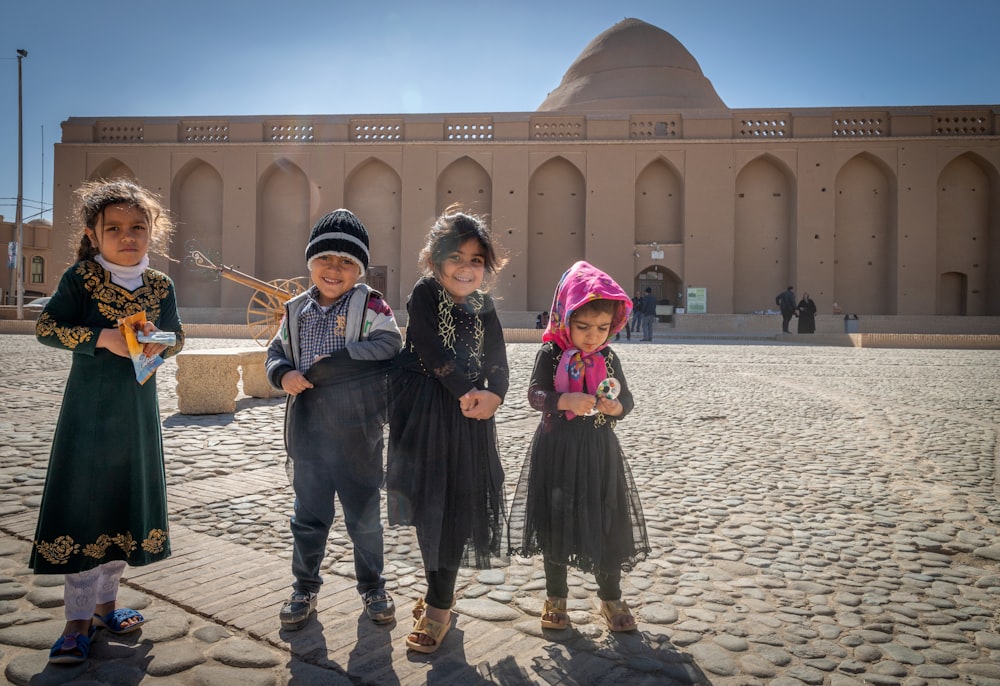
(256, 57)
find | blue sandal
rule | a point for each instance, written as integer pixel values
(71, 649)
(115, 621)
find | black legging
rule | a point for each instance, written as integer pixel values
(441, 588)
(608, 585)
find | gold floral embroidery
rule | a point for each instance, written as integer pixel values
(114, 302)
(70, 336)
(98, 549)
(155, 541)
(59, 551)
(125, 542)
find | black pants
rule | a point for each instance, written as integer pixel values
(441, 588)
(786, 316)
(609, 586)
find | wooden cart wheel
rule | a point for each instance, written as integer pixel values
(267, 307)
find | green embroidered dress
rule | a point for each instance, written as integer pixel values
(105, 490)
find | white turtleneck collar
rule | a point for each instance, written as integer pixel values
(128, 278)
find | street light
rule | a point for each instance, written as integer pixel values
(19, 253)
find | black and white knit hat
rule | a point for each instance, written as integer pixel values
(339, 233)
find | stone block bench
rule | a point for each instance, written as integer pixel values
(207, 379)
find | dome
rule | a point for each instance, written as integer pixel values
(633, 66)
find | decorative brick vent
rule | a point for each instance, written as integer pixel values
(204, 132)
(289, 132)
(376, 130)
(119, 132)
(558, 128)
(654, 127)
(962, 124)
(858, 127)
(479, 129)
(776, 127)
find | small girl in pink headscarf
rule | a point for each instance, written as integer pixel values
(575, 501)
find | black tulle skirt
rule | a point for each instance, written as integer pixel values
(443, 475)
(576, 501)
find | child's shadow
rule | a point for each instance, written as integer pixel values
(572, 655)
(371, 655)
(309, 662)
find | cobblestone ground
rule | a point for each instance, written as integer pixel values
(818, 515)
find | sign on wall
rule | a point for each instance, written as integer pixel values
(697, 300)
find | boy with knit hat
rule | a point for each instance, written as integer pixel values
(331, 355)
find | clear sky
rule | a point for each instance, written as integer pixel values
(109, 58)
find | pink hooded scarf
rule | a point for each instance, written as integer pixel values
(583, 282)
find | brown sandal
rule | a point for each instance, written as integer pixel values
(554, 614)
(616, 609)
(436, 631)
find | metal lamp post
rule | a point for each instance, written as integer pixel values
(19, 254)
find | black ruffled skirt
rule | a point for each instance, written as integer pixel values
(443, 475)
(576, 501)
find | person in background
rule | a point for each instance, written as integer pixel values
(786, 303)
(806, 312)
(648, 314)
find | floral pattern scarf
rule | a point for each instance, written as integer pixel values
(578, 372)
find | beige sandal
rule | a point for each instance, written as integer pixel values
(616, 609)
(554, 614)
(425, 626)
(418, 608)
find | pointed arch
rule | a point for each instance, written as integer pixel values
(466, 182)
(967, 237)
(111, 169)
(659, 204)
(864, 273)
(373, 191)
(283, 221)
(557, 217)
(196, 197)
(764, 234)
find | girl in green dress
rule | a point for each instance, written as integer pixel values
(104, 503)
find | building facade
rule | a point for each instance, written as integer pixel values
(633, 163)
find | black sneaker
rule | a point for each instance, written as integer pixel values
(379, 606)
(296, 610)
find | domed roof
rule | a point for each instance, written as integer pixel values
(633, 66)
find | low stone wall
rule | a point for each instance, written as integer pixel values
(834, 323)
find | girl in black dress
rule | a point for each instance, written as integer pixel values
(576, 502)
(443, 470)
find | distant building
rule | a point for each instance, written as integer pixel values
(36, 248)
(633, 162)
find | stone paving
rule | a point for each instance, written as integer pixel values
(818, 515)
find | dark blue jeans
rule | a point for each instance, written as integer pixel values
(314, 513)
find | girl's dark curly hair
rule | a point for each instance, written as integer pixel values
(94, 197)
(450, 231)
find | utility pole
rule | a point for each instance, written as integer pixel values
(19, 255)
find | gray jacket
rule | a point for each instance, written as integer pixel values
(372, 332)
